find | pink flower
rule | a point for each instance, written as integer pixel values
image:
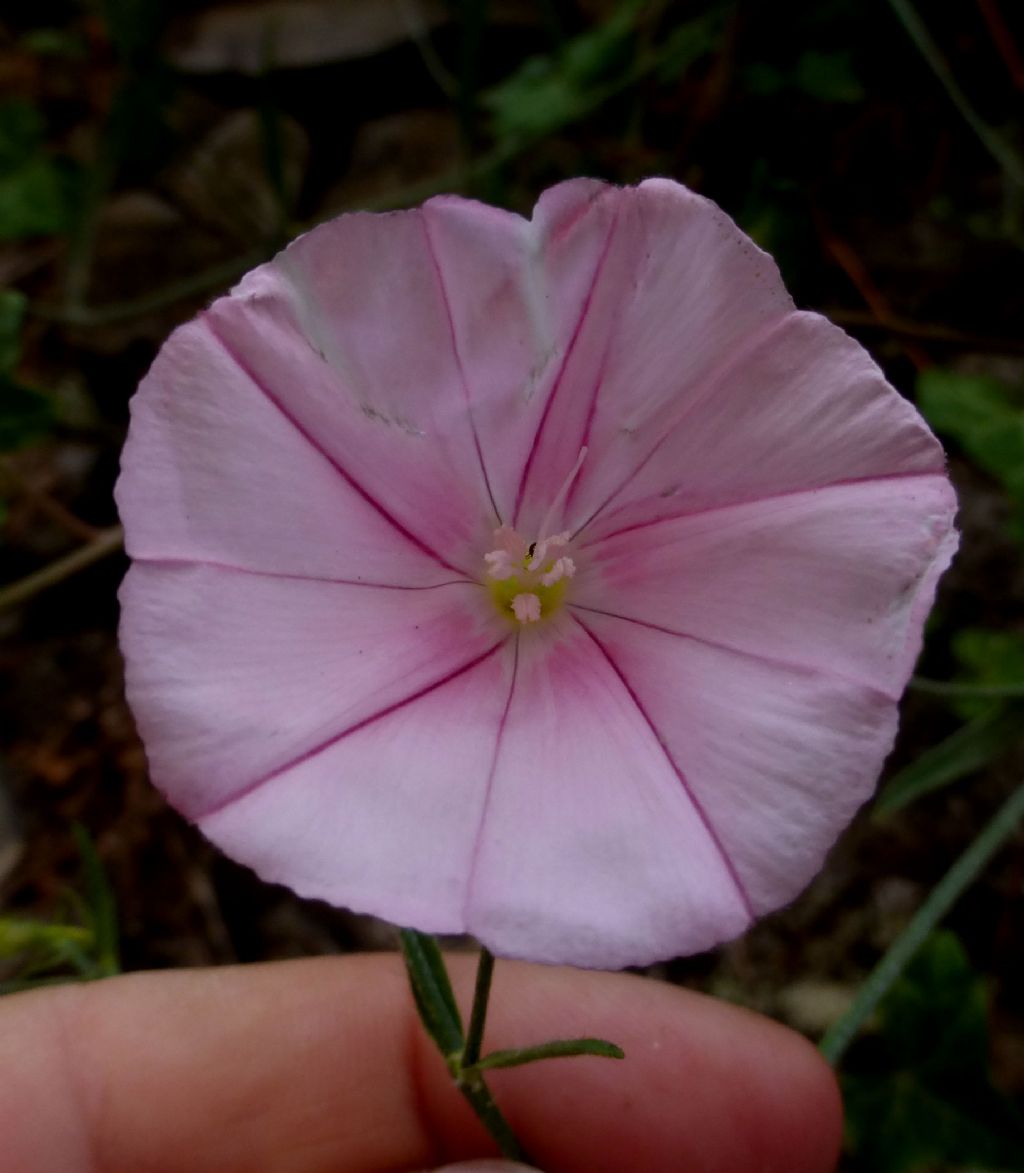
(550, 580)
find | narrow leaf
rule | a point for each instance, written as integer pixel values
(968, 749)
(942, 897)
(1010, 690)
(102, 908)
(432, 990)
(556, 1049)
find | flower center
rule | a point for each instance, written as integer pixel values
(528, 579)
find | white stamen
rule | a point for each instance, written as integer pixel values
(526, 608)
(531, 567)
(499, 564)
(508, 557)
(541, 548)
(563, 568)
(560, 497)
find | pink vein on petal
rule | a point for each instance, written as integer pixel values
(694, 800)
(588, 423)
(759, 657)
(704, 510)
(283, 574)
(446, 302)
(334, 739)
(710, 382)
(490, 784)
(557, 383)
(308, 436)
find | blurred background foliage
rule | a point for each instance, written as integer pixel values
(152, 152)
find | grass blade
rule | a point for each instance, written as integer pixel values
(942, 897)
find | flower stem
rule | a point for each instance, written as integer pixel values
(489, 1114)
(469, 1077)
(435, 1003)
(478, 1015)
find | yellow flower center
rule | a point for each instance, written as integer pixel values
(528, 582)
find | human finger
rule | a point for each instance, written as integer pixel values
(321, 1066)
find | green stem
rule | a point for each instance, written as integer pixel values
(435, 1002)
(942, 897)
(478, 1015)
(953, 688)
(482, 1102)
(997, 147)
(468, 1077)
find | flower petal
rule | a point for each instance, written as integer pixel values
(234, 676)
(679, 291)
(383, 820)
(352, 328)
(779, 758)
(215, 472)
(836, 579)
(434, 341)
(592, 851)
(516, 294)
(797, 406)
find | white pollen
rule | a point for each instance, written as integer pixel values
(562, 568)
(526, 608)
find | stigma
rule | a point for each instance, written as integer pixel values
(528, 579)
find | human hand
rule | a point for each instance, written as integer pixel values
(321, 1066)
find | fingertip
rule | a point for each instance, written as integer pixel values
(486, 1167)
(802, 1124)
(704, 1085)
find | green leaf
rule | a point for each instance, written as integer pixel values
(99, 898)
(35, 200)
(25, 415)
(556, 1049)
(12, 314)
(990, 658)
(687, 44)
(985, 417)
(21, 133)
(547, 93)
(967, 750)
(36, 189)
(17, 935)
(134, 26)
(432, 991)
(55, 42)
(927, 1099)
(828, 77)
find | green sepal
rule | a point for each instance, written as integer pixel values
(432, 991)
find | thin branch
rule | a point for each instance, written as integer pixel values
(106, 542)
(1003, 40)
(1007, 158)
(218, 276)
(39, 499)
(925, 331)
